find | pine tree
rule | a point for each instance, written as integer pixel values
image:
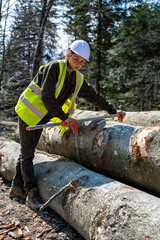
(3, 37)
(92, 21)
(20, 50)
(44, 14)
(134, 72)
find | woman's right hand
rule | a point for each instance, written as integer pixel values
(70, 122)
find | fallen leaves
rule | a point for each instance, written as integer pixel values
(7, 229)
(45, 231)
(34, 216)
(3, 233)
(18, 222)
(19, 233)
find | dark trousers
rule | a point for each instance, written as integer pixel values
(24, 176)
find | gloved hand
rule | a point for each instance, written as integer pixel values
(122, 115)
(70, 122)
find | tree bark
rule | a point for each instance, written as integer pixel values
(143, 118)
(39, 49)
(101, 208)
(0, 11)
(99, 44)
(3, 44)
(147, 118)
(125, 152)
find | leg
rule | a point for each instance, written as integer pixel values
(16, 190)
(17, 180)
(29, 141)
(24, 178)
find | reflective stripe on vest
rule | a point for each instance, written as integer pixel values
(77, 88)
(30, 107)
(63, 69)
(35, 89)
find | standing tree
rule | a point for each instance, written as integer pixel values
(20, 50)
(134, 59)
(0, 10)
(3, 46)
(93, 21)
(44, 14)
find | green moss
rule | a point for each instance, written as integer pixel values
(98, 221)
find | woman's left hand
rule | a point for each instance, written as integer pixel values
(122, 115)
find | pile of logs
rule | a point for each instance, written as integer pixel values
(100, 207)
(125, 152)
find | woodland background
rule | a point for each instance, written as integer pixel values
(124, 36)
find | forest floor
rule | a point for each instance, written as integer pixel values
(17, 221)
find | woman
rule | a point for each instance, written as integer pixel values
(45, 99)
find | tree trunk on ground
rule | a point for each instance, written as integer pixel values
(143, 118)
(125, 152)
(133, 118)
(101, 208)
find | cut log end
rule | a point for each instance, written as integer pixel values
(141, 146)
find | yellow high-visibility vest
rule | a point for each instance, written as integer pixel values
(30, 106)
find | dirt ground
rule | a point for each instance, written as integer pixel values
(17, 221)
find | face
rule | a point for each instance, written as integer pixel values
(75, 62)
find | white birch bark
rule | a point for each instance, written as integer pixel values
(126, 152)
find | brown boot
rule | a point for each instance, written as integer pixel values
(32, 199)
(17, 192)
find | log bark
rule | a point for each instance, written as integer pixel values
(126, 152)
(148, 118)
(101, 209)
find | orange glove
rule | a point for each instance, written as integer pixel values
(122, 115)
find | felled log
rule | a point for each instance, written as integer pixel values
(101, 208)
(126, 152)
(149, 118)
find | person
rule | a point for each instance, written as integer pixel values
(48, 98)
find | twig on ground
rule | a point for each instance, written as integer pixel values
(7, 226)
(45, 231)
(71, 184)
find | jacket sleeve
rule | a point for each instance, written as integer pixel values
(50, 77)
(88, 93)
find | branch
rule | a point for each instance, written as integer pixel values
(71, 184)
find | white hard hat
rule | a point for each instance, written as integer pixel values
(81, 48)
